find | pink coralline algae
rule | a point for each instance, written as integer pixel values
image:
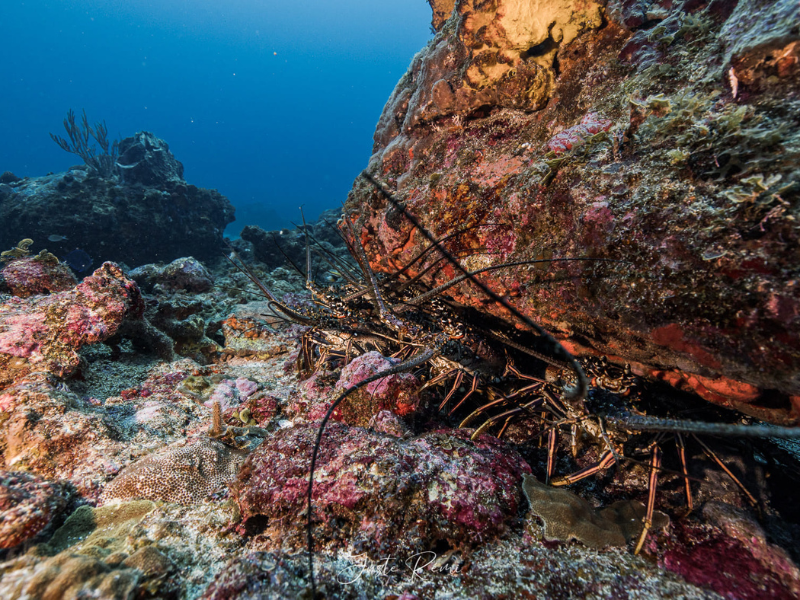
(245, 387)
(38, 275)
(379, 491)
(27, 505)
(49, 330)
(736, 563)
(591, 124)
(398, 392)
(263, 408)
(230, 393)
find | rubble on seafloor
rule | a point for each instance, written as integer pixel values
(563, 136)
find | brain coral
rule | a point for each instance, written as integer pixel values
(182, 475)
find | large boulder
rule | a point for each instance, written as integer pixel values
(662, 135)
(277, 248)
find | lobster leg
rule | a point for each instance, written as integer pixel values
(606, 460)
(682, 454)
(475, 380)
(453, 390)
(534, 404)
(552, 438)
(655, 465)
(481, 409)
(439, 378)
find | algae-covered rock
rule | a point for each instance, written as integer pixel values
(381, 492)
(73, 564)
(99, 531)
(664, 137)
(28, 506)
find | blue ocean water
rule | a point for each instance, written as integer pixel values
(272, 103)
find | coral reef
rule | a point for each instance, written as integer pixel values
(40, 274)
(248, 333)
(28, 505)
(735, 560)
(687, 173)
(151, 215)
(146, 160)
(396, 393)
(655, 133)
(45, 332)
(181, 274)
(275, 248)
(66, 577)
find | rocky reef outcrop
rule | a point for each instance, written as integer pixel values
(129, 472)
(147, 214)
(662, 135)
(45, 332)
(286, 247)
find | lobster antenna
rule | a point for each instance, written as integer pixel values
(576, 393)
(405, 366)
(470, 274)
(647, 423)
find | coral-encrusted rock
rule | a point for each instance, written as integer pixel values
(666, 141)
(277, 576)
(68, 577)
(131, 223)
(397, 393)
(181, 274)
(736, 562)
(40, 274)
(145, 159)
(761, 39)
(496, 54)
(248, 333)
(274, 247)
(47, 332)
(9, 177)
(381, 492)
(28, 504)
(258, 575)
(55, 435)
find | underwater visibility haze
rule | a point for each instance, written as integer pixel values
(272, 103)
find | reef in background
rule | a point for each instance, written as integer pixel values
(146, 214)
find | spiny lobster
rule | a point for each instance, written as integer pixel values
(400, 317)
